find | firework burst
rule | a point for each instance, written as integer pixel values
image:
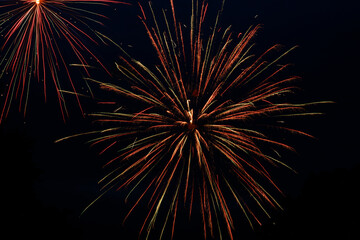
(203, 131)
(33, 32)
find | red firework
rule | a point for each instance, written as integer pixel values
(204, 129)
(33, 31)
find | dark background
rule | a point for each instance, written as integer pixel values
(47, 185)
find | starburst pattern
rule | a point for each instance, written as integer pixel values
(36, 33)
(203, 130)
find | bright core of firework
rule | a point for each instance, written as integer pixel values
(37, 2)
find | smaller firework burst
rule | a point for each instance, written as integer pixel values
(34, 32)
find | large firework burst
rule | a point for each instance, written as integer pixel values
(33, 32)
(202, 132)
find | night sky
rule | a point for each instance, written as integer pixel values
(47, 184)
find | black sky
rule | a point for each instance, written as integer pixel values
(47, 185)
